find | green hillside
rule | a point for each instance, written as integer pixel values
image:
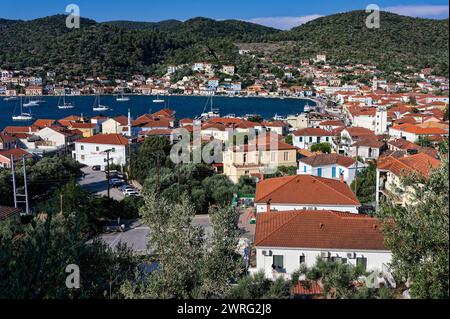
(120, 48)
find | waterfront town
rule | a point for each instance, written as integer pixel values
(245, 152)
(321, 156)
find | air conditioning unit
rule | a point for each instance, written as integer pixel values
(351, 255)
(325, 255)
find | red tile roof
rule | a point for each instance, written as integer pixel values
(305, 189)
(418, 130)
(328, 159)
(121, 119)
(307, 288)
(319, 230)
(359, 131)
(420, 163)
(7, 212)
(106, 139)
(16, 153)
(369, 142)
(41, 123)
(20, 129)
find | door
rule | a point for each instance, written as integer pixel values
(319, 172)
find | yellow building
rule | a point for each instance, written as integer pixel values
(258, 157)
(88, 129)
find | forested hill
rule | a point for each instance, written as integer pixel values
(400, 40)
(120, 48)
(203, 27)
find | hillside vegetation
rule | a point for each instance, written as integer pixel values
(120, 48)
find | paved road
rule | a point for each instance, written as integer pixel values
(95, 182)
(136, 234)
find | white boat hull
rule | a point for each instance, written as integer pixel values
(22, 118)
(65, 107)
(100, 109)
(31, 104)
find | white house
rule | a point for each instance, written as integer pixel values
(374, 119)
(307, 137)
(330, 166)
(56, 137)
(115, 125)
(228, 69)
(412, 132)
(286, 241)
(367, 149)
(91, 151)
(303, 192)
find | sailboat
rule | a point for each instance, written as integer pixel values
(31, 103)
(65, 105)
(23, 115)
(10, 98)
(213, 112)
(98, 107)
(122, 98)
(158, 100)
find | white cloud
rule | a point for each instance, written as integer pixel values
(425, 11)
(284, 23)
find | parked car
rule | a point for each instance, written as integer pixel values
(96, 168)
(129, 191)
(136, 194)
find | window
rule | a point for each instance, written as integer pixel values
(318, 139)
(319, 172)
(278, 262)
(362, 262)
(304, 169)
(301, 139)
(327, 139)
(310, 139)
(97, 149)
(333, 172)
(286, 156)
(83, 157)
(82, 147)
(272, 156)
(245, 158)
(113, 150)
(302, 260)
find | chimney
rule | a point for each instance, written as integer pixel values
(269, 208)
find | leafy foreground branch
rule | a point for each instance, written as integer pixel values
(417, 234)
(190, 264)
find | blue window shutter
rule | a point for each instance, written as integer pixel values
(304, 169)
(333, 172)
(319, 172)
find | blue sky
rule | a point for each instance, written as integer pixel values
(282, 14)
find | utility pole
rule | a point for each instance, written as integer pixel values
(107, 172)
(61, 203)
(356, 174)
(27, 205)
(13, 173)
